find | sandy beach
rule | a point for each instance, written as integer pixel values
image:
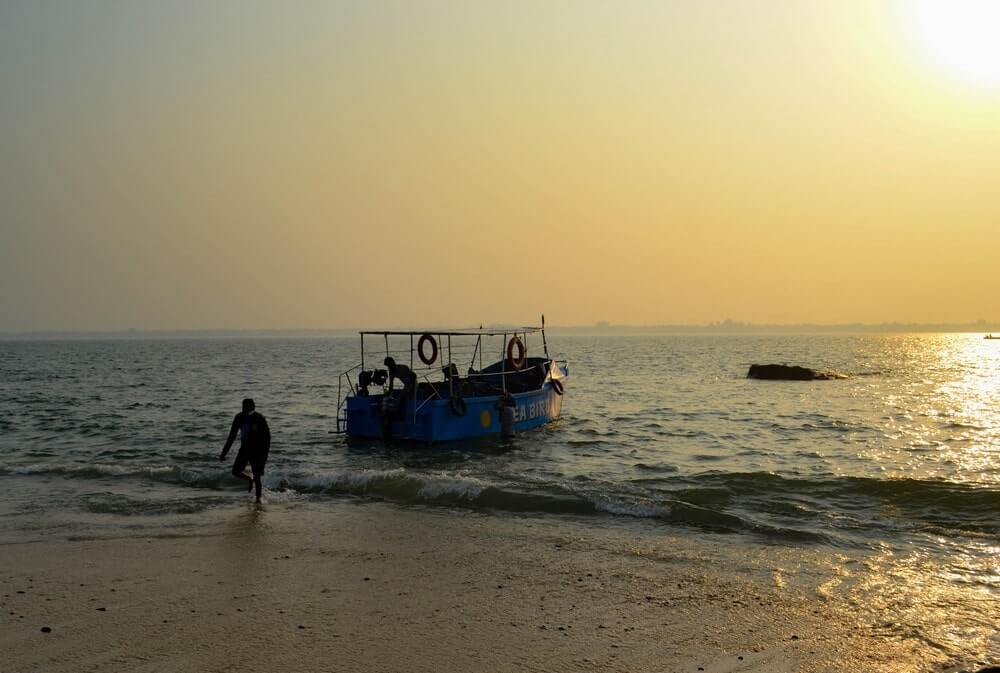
(371, 587)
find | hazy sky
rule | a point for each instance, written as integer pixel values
(320, 164)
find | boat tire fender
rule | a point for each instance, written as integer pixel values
(557, 386)
(457, 405)
(427, 359)
(516, 363)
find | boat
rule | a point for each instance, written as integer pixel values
(990, 336)
(438, 385)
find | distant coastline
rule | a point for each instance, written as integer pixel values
(748, 328)
(727, 327)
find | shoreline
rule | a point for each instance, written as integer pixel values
(370, 586)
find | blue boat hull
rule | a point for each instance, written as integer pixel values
(435, 421)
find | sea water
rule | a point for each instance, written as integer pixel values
(892, 473)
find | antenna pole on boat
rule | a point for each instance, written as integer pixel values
(416, 384)
(503, 364)
(479, 341)
(545, 346)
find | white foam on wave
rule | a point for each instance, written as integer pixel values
(99, 468)
(369, 477)
(442, 484)
(427, 486)
(350, 479)
(28, 469)
(273, 491)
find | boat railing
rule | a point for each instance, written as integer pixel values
(347, 381)
(434, 394)
(345, 377)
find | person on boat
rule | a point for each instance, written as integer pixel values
(403, 373)
(255, 444)
(407, 377)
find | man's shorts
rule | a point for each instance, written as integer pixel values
(255, 459)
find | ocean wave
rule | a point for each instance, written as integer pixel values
(888, 502)
(633, 509)
(87, 470)
(402, 486)
(819, 509)
(680, 512)
(700, 507)
(170, 474)
(656, 467)
(956, 425)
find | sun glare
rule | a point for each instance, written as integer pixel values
(962, 37)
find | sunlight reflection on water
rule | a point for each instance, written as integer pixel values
(941, 420)
(951, 606)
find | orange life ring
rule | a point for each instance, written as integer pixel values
(516, 363)
(427, 359)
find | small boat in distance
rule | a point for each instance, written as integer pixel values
(432, 385)
(990, 336)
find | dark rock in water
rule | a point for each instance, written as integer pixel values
(790, 373)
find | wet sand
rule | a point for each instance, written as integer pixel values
(375, 588)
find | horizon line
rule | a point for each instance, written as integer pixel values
(726, 326)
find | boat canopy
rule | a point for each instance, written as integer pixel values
(473, 331)
(440, 354)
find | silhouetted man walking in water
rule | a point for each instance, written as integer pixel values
(255, 443)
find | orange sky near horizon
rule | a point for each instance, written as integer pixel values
(248, 165)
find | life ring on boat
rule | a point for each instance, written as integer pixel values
(457, 405)
(427, 359)
(557, 386)
(517, 363)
